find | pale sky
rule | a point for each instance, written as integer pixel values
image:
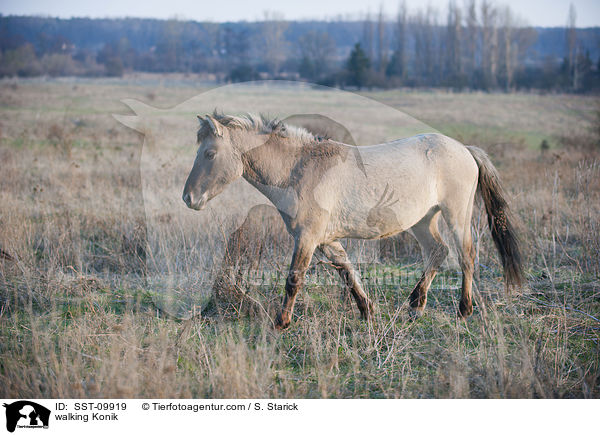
(534, 12)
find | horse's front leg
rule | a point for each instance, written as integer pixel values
(303, 252)
(338, 257)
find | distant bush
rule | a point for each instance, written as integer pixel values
(243, 73)
(336, 79)
(21, 61)
(59, 65)
(114, 67)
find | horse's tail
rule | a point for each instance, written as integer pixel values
(499, 218)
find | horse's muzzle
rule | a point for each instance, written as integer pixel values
(194, 205)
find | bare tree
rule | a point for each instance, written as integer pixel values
(381, 43)
(418, 22)
(272, 42)
(317, 50)
(368, 40)
(572, 46)
(398, 62)
(424, 45)
(471, 38)
(524, 37)
(489, 47)
(169, 47)
(453, 42)
(437, 42)
(507, 23)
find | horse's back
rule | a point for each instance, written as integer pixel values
(404, 179)
(443, 169)
(431, 156)
(423, 145)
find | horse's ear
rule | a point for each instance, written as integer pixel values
(215, 126)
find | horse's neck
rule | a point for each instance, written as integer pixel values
(269, 164)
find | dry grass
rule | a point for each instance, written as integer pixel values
(78, 317)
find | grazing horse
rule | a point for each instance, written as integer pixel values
(325, 190)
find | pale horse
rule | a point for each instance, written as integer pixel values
(326, 191)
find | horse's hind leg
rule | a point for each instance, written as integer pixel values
(338, 257)
(434, 252)
(459, 222)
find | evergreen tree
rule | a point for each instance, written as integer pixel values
(358, 67)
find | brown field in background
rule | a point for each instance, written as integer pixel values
(78, 318)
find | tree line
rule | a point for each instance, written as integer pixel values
(478, 45)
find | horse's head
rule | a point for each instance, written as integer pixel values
(217, 164)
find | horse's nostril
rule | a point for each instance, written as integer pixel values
(187, 199)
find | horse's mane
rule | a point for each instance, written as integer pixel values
(260, 124)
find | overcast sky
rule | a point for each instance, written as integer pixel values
(535, 12)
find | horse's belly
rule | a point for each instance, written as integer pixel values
(375, 222)
(368, 233)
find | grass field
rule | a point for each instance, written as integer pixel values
(79, 317)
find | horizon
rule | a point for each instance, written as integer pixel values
(534, 13)
(357, 19)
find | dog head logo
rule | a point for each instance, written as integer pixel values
(334, 123)
(26, 414)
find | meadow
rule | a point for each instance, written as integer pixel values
(80, 317)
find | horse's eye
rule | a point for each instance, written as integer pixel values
(210, 154)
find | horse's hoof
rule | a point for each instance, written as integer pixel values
(464, 310)
(280, 325)
(416, 313)
(368, 313)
